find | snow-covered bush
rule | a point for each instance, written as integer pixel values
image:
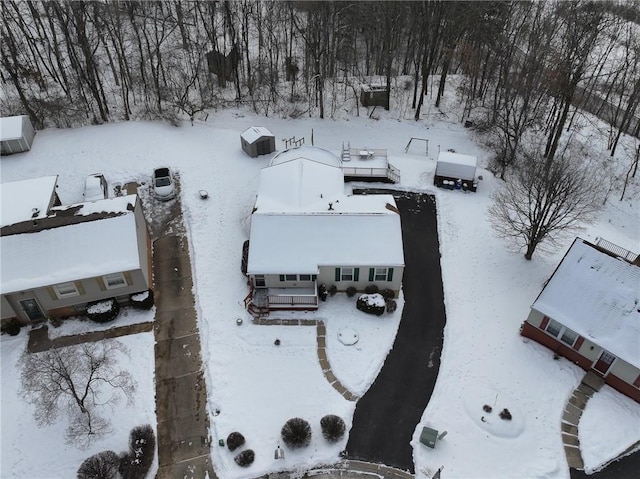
(371, 303)
(235, 440)
(245, 458)
(103, 311)
(333, 427)
(103, 465)
(322, 292)
(296, 433)
(351, 291)
(136, 463)
(142, 300)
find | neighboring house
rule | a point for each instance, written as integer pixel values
(27, 199)
(16, 134)
(52, 266)
(257, 140)
(589, 312)
(305, 231)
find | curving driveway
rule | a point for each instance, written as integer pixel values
(387, 415)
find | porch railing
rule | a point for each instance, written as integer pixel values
(292, 300)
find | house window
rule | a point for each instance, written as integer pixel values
(380, 274)
(115, 280)
(260, 282)
(305, 277)
(346, 274)
(66, 290)
(561, 332)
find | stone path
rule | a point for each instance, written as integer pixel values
(321, 341)
(590, 384)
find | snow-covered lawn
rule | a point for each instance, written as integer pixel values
(254, 386)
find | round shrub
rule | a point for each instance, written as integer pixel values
(351, 291)
(136, 463)
(371, 289)
(333, 289)
(11, 327)
(103, 465)
(245, 458)
(391, 305)
(371, 304)
(332, 427)
(142, 300)
(388, 294)
(235, 440)
(103, 311)
(296, 433)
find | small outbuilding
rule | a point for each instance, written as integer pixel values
(16, 134)
(374, 95)
(456, 171)
(258, 140)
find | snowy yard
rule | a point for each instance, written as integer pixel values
(254, 386)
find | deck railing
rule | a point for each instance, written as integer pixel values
(292, 300)
(617, 250)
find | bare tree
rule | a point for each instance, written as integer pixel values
(79, 380)
(545, 201)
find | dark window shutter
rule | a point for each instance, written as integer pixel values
(356, 274)
(579, 342)
(79, 287)
(52, 292)
(371, 273)
(282, 277)
(314, 277)
(543, 324)
(390, 274)
(337, 278)
(101, 283)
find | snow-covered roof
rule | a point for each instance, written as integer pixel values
(255, 133)
(68, 253)
(299, 185)
(299, 243)
(315, 153)
(117, 204)
(457, 159)
(20, 199)
(597, 296)
(10, 128)
(303, 219)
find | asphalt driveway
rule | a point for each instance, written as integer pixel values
(388, 413)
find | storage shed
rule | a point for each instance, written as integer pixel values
(374, 95)
(454, 170)
(16, 134)
(257, 140)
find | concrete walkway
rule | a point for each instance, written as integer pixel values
(321, 342)
(39, 338)
(181, 394)
(590, 384)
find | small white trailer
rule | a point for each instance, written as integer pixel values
(456, 171)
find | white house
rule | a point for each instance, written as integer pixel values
(589, 312)
(53, 265)
(305, 231)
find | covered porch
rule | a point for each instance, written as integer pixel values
(269, 299)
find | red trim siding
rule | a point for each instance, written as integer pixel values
(578, 344)
(530, 331)
(543, 324)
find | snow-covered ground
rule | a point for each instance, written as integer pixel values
(254, 386)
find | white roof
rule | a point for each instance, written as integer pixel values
(457, 159)
(255, 133)
(299, 185)
(21, 198)
(598, 297)
(315, 153)
(304, 220)
(117, 204)
(299, 243)
(10, 127)
(68, 253)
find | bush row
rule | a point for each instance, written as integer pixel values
(133, 464)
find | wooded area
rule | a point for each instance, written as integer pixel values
(526, 65)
